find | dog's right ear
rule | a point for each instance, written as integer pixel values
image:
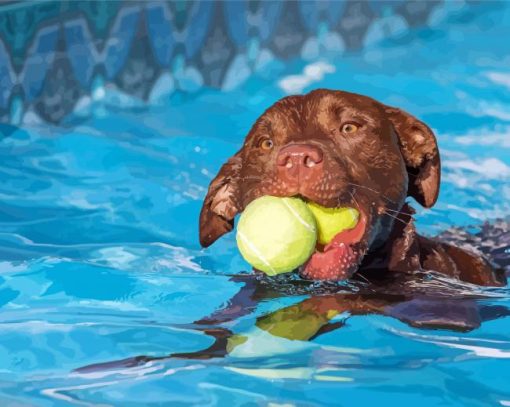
(221, 203)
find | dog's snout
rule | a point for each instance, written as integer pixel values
(300, 167)
(299, 156)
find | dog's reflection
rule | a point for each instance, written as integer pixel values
(319, 314)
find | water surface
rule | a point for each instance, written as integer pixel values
(100, 258)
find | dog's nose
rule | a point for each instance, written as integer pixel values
(300, 167)
(299, 157)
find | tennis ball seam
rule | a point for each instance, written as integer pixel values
(255, 250)
(298, 217)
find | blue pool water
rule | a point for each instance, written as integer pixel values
(99, 254)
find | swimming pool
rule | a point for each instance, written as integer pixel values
(101, 262)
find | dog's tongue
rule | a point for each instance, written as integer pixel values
(339, 259)
(335, 263)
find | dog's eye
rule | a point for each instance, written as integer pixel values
(349, 128)
(266, 144)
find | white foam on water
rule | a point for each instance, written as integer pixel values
(489, 168)
(312, 73)
(499, 78)
(499, 137)
(481, 214)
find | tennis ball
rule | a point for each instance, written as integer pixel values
(276, 235)
(331, 221)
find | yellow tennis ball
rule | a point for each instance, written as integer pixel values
(331, 221)
(276, 235)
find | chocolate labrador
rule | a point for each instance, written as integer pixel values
(342, 149)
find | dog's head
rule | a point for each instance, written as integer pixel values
(333, 148)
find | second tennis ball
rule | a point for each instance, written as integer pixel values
(331, 221)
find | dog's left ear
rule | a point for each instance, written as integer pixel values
(221, 204)
(421, 156)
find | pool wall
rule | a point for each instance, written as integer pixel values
(56, 54)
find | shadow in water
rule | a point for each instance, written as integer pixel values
(421, 300)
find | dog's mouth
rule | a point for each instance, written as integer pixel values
(340, 258)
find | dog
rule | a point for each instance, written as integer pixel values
(340, 149)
